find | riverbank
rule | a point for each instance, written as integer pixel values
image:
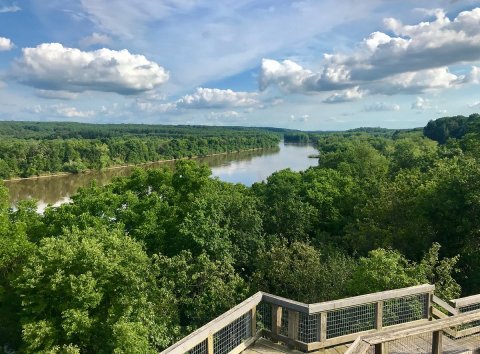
(109, 168)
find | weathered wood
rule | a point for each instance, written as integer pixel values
(380, 348)
(245, 344)
(465, 301)
(366, 299)
(213, 326)
(437, 342)
(467, 332)
(286, 303)
(429, 306)
(254, 321)
(276, 319)
(359, 346)
(445, 305)
(323, 326)
(292, 324)
(431, 326)
(379, 315)
(288, 341)
(210, 344)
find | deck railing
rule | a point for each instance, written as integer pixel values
(308, 327)
(455, 334)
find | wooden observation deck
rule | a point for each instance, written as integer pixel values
(408, 320)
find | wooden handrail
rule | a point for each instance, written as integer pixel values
(369, 298)
(213, 326)
(466, 301)
(445, 305)
(362, 344)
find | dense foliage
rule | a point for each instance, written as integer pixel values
(137, 264)
(33, 148)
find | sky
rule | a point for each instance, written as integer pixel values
(308, 64)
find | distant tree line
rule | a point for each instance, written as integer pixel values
(29, 149)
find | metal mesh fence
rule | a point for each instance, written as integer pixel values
(405, 309)
(264, 316)
(350, 320)
(200, 348)
(233, 334)
(308, 328)
(469, 308)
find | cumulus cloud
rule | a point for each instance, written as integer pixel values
(61, 110)
(217, 98)
(411, 59)
(302, 118)
(5, 44)
(474, 105)
(95, 39)
(9, 8)
(381, 107)
(349, 95)
(51, 66)
(421, 104)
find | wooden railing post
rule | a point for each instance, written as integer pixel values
(430, 306)
(254, 321)
(437, 342)
(323, 326)
(210, 344)
(380, 348)
(379, 315)
(293, 324)
(276, 319)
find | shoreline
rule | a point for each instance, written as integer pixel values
(90, 170)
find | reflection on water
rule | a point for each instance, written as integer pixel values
(245, 167)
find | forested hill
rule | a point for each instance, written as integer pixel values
(452, 127)
(34, 148)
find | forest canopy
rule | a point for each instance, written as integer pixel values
(135, 265)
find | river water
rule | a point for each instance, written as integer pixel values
(245, 167)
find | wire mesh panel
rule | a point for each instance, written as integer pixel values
(469, 343)
(405, 309)
(200, 348)
(308, 328)
(469, 308)
(264, 316)
(232, 335)
(350, 320)
(421, 344)
(284, 326)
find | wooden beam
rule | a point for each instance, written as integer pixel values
(380, 348)
(445, 305)
(293, 324)
(210, 344)
(286, 303)
(437, 342)
(254, 320)
(465, 301)
(323, 326)
(369, 298)
(379, 315)
(276, 319)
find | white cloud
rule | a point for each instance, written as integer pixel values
(474, 105)
(415, 59)
(382, 107)
(5, 44)
(95, 38)
(421, 104)
(55, 67)
(348, 95)
(301, 119)
(61, 110)
(203, 98)
(9, 8)
(216, 98)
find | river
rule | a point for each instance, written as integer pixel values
(245, 167)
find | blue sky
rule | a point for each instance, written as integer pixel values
(310, 65)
